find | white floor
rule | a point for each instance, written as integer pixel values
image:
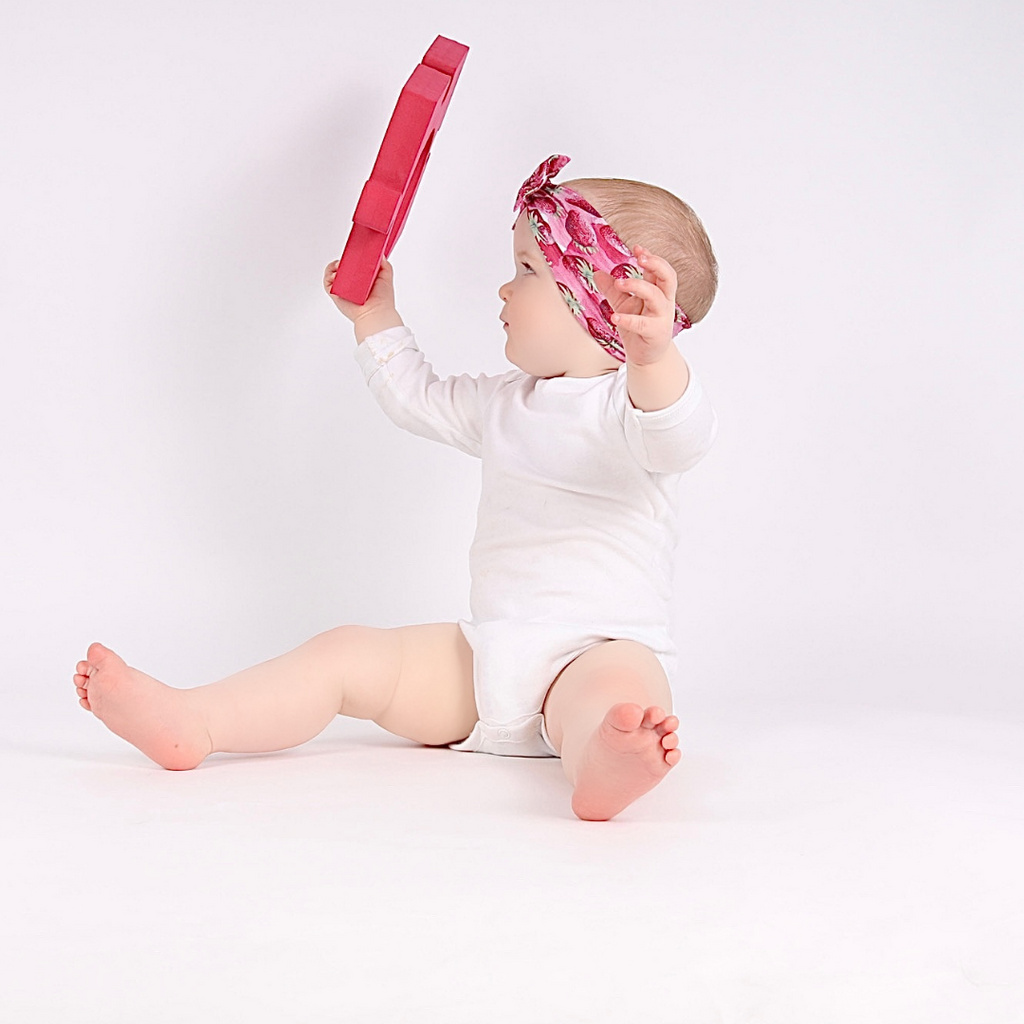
(801, 864)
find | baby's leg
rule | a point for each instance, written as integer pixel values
(415, 681)
(606, 714)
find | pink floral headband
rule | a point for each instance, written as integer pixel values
(576, 242)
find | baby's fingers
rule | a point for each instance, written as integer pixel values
(657, 268)
(634, 323)
(653, 295)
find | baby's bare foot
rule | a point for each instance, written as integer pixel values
(630, 752)
(157, 719)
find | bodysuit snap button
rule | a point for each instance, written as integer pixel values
(504, 733)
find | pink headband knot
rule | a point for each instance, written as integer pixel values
(577, 242)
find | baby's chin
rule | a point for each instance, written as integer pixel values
(527, 365)
(533, 371)
(510, 356)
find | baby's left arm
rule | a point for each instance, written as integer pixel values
(675, 438)
(671, 424)
(656, 371)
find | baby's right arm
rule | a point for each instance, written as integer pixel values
(401, 379)
(378, 312)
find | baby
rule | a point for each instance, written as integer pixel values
(568, 651)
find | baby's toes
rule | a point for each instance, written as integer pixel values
(670, 741)
(668, 725)
(81, 681)
(653, 717)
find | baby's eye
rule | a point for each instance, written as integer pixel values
(527, 267)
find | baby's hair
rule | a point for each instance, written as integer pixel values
(646, 215)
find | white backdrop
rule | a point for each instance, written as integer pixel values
(195, 474)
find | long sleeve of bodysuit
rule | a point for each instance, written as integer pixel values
(477, 414)
(674, 439)
(413, 397)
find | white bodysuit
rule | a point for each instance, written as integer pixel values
(577, 522)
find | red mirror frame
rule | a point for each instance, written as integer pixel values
(387, 196)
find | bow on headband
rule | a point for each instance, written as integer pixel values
(576, 242)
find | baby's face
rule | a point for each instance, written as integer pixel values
(544, 338)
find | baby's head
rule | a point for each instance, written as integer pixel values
(646, 215)
(550, 332)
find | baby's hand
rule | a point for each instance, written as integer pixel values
(382, 294)
(378, 312)
(644, 309)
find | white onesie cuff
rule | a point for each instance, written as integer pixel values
(375, 350)
(672, 415)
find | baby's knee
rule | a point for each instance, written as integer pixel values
(367, 661)
(625, 662)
